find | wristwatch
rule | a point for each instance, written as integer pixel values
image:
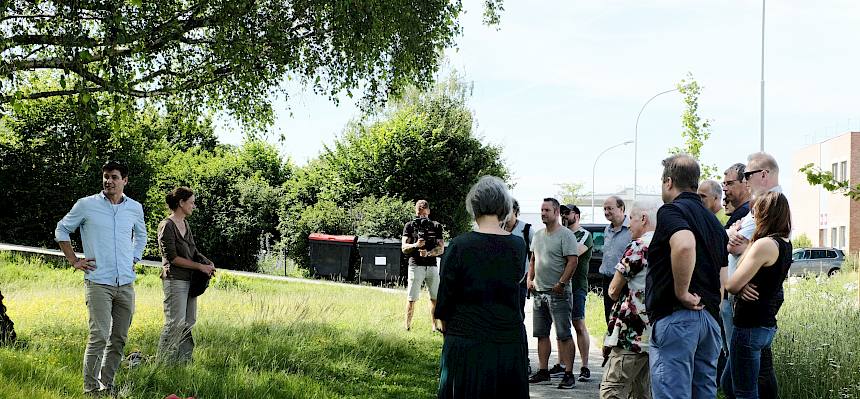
(563, 283)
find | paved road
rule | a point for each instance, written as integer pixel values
(550, 389)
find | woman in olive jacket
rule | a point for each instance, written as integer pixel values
(181, 262)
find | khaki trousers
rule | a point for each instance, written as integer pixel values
(628, 376)
(110, 311)
(180, 314)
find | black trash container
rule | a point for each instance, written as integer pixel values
(380, 258)
(330, 254)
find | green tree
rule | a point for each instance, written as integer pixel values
(817, 177)
(238, 193)
(571, 193)
(801, 241)
(224, 54)
(52, 155)
(696, 130)
(423, 148)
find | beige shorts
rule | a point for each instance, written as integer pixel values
(422, 275)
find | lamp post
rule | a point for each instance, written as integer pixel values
(636, 141)
(594, 170)
(761, 112)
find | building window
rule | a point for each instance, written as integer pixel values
(842, 237)
(833, 237)
(822, 237)
(835, 170)
(843, 171)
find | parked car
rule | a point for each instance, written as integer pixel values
(816, 261)
(596, 230)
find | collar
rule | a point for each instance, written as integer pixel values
(104, 197)
(688, 195)
(647, 236)
(624, 224)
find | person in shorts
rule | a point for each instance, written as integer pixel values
(423, 243)
(570, 216)
(550, 271)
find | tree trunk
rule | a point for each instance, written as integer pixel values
(7, 327)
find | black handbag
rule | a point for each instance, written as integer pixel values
(199, 283)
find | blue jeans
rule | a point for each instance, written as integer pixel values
(745, 360)
(683, 355)
(728, 316)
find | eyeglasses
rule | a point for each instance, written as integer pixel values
(729, 183)
(749, 174)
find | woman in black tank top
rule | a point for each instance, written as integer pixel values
(757, 282)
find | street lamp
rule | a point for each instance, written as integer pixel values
(636, 140)
(594, 170)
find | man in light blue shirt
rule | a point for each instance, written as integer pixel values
(114, 236)
(616, 236)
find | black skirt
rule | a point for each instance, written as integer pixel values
(472, 368)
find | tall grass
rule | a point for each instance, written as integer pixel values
(255, 339)
(817, 346)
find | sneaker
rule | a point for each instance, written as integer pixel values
(584, 374)
(556, 371)
(540, 376)
(567, 382)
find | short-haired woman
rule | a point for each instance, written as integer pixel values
(484, 354)
(758, 285)
(180, 259)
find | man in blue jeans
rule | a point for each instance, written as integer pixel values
(683, 287)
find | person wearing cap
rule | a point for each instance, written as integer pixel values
(570, 216)
(113, 235)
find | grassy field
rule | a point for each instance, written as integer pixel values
(261, 339)
(256, 339)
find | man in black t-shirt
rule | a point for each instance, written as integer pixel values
(682, 292)
(422, 242)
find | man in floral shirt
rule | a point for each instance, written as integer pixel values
(627, 339)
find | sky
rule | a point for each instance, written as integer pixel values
(560, 81)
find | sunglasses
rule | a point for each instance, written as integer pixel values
(749, 174)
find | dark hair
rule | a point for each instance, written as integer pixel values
(683, 170)
(176, 195)
(515, 207)
(739, 169)
(555, 204)
(772, 216)
(575, 209)
(117, 166)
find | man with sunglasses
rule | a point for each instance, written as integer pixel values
(761, 175)
(737, 193)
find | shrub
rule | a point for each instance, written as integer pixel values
(801, 241)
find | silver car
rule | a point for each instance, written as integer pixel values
(816, 261)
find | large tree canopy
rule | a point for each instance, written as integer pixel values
(223, 54)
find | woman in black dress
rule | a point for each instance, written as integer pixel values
(478, 307)
(757, 282)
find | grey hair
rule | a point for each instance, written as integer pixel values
(713, 188)
(648, 206)
(764, 161)
(489, 196)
